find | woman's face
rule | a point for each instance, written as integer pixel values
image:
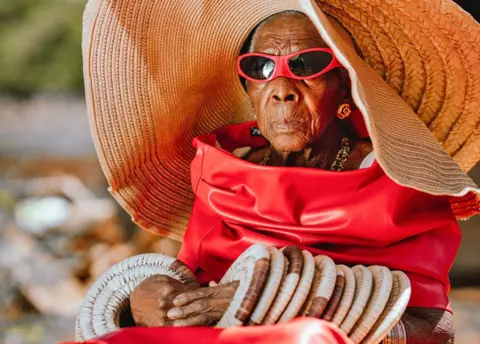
(292, 114)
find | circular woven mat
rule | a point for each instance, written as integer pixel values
(277, 266)
(347, 297)
(251, 270)
(394, 309)
(323, 286)
(294, 258)
(302, 290)
(273, 287)
(382, 286)
(363, 284)
(334, 301)
(109, 295)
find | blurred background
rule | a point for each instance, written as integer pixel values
(59, 228)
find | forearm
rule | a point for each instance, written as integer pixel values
(423, 326)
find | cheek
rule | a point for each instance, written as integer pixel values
(321, 99)
(258, 100)
(253, 91)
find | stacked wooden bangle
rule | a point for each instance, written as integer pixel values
(276, 286)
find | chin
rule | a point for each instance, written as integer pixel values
(288, 143)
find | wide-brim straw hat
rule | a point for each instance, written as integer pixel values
(158, 73)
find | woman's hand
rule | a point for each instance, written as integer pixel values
(202, 307)
(153, 298)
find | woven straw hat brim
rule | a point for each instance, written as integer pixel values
(147, 99)
(277, 267)
(382, 287)
(109, 295)
(394, 309)
(251, 270)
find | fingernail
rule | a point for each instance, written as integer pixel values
(179, 301)
(174, 313)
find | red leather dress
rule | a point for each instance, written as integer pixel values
(302, 330)
(355, 217)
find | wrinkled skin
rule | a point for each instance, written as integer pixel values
(163, 301)
(298, 119)
(153, 298)
(293, 114)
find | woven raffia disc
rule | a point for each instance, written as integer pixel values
(302, 290)
(294, 258)
(334, 301)
(394, 309)
(347, 297)
(109, 295)
(382, 286)
(363, 283)
(419, 62)
(251, 270)
(322, 289)
(277, 266)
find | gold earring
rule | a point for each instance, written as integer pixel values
(344, 111)
(254, 114)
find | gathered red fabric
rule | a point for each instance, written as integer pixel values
(302, 330)
(354, 217)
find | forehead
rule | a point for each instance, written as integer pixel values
(293, 32)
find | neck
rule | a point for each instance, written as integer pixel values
(320, 154)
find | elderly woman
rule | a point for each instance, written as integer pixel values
(336, 162)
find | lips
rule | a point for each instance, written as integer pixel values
(287, 126)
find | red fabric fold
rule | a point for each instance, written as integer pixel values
(466, 206)
(355, 217)
(302, 330)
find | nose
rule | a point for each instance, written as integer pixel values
(284, 90)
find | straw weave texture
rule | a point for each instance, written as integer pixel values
(366, 304)
(420, 67)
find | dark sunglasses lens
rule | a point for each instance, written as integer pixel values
(310, 63)
(257, 67)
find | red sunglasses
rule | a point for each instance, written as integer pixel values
(302, 65)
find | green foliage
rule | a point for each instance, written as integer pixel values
(40, 46)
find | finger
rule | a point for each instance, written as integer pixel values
(164, 303)
(194, 308)
(212, 284)
(162, 323)
(198, 307)
(200, 320)
(189, 296)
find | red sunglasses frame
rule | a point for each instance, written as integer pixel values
(282, 68)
